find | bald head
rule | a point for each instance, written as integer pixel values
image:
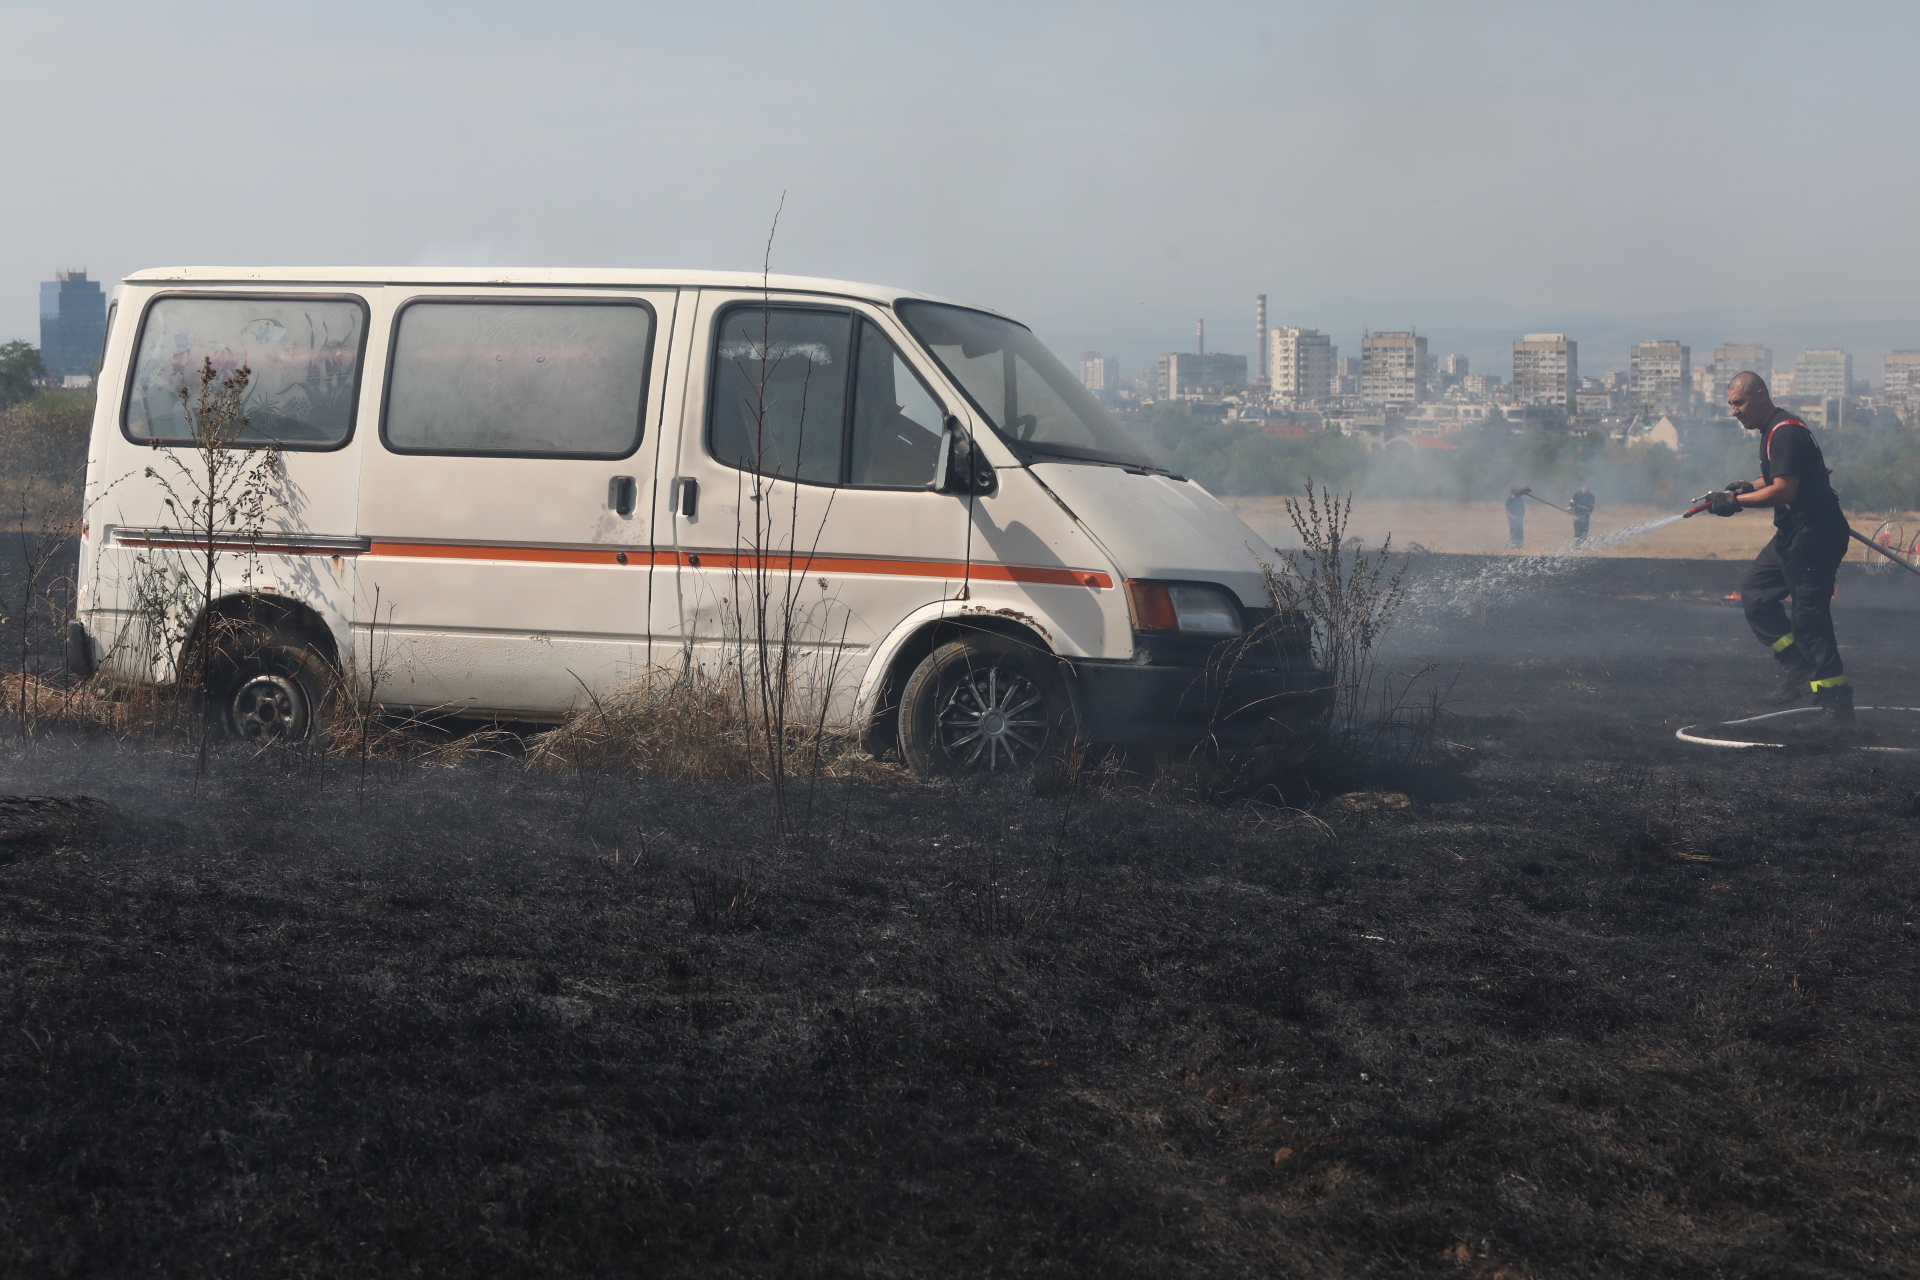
(1747, 400)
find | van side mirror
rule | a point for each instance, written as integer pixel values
(960, 468)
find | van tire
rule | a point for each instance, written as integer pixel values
(272, 687)
(985, 705)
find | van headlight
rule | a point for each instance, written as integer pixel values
(1183, 606)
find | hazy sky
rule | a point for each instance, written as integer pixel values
(1106, 172)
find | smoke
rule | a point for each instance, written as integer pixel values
(1477, 464)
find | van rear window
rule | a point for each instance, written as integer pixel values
(523, 379)
(303, 354)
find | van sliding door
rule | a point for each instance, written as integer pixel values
(508, 504)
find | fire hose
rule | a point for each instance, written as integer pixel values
(1706, 501)
(1537, 498)
(1686, 733)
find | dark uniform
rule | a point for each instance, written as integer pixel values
(1798, 567)
(1581, 505)
(1516, 521)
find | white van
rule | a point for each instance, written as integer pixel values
(505, 492)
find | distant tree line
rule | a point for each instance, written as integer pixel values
(1873, 470)
(43, 454)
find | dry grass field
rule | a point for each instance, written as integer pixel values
(1480, 528)
(1604, 1005)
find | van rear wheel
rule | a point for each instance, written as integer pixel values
(272, 688)
(985, 705)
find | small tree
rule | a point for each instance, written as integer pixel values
(1349, 595)
(217, 498)
(770, 591)
(19, 366)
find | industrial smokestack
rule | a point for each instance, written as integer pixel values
(1200, 337)
(1259, 337)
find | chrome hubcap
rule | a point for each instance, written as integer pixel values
(994, 719)
(269, 706)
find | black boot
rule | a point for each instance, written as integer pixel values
(1836, 702)
(1795, 684)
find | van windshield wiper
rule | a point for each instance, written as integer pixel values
(1148, 469)
(1054, 453)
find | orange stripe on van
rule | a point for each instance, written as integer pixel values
(482, 551)
(747, 562)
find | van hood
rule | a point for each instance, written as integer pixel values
(1157, 527)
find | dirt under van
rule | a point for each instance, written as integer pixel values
(502, 493)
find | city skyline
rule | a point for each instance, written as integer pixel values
(1475, 329)
(1400, 383)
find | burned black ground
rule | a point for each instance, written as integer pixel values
(1612, 1006)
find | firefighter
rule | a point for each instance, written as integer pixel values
(1810, 535)
(1517, 516)
(1581, 504)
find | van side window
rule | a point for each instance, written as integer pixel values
(304, 355)
(896, 420)
(781, 405)
(780, 391)
(522, 379)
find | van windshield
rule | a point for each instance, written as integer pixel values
(1031, 399)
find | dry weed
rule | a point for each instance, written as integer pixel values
(690, 725)
(91, 704)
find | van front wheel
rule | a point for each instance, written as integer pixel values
(984, 705)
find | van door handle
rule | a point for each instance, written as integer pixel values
(622, 493)
(687, 496)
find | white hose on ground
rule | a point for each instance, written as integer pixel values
(1687, 734)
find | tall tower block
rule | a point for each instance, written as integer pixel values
(1260, 366)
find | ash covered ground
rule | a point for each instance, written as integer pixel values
(1610, 1005)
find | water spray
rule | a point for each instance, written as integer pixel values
(1503, 577)
(1865, 541)
(1705, 501)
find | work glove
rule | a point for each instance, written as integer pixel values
(1723, 503)
(1740, 486)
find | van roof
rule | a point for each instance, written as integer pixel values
(574, 277)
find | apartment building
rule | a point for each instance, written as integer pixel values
(1546, 370)
(1596, 402)
(1659, 376)
(1903, 373)
(1183, 375)
(1823, 371)
(1738, 357)
(1101, 374)
(1393, 367)
(1346, 373)
(1303, 363)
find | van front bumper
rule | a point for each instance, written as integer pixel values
(1131, 704)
